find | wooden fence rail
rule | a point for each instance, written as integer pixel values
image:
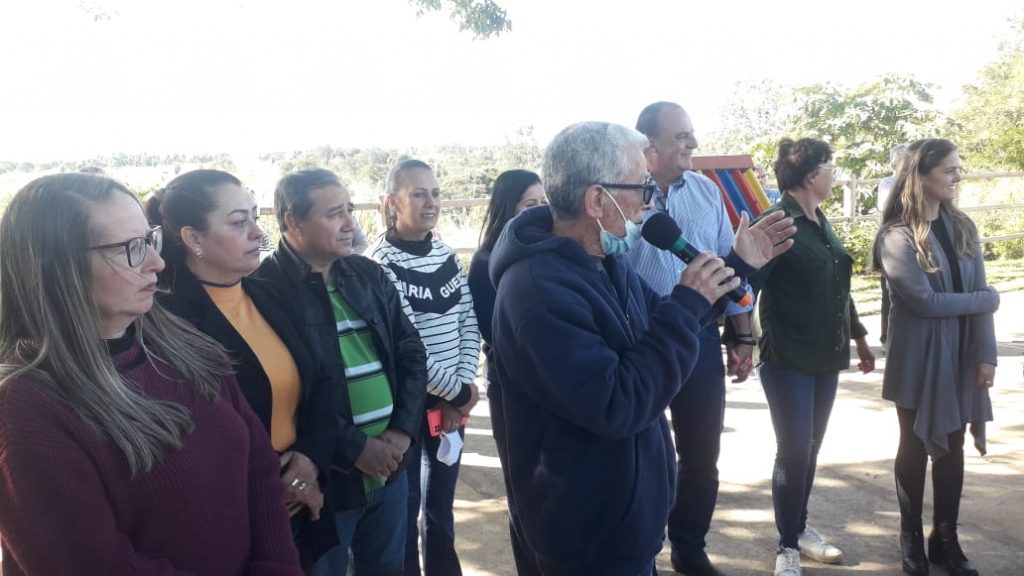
(852, 192)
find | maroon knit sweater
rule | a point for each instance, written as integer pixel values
(69, 505)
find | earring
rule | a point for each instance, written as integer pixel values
(199, 252)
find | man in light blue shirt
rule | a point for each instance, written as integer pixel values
(695, 203)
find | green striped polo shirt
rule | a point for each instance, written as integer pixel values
(369, 391)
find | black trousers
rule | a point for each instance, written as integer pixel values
(910, 467)
(697, 414)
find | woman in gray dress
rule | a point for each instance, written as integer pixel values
(942, 352)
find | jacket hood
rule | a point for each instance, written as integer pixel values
(530, 234)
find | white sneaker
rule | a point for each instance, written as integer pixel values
(815, 547)
(787, 562)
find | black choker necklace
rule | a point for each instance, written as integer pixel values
(219, 284)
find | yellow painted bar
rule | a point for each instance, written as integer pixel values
(751, 179)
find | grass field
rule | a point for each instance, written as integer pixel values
(1005, 275)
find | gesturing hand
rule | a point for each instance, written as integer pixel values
(766, 239)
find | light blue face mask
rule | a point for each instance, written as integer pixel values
(612, 244)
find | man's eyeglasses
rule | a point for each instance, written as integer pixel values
(136, 248)
(648, 187)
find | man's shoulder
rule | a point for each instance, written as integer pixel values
(359, 264)
(360, 270)
(269, 268)
(698, 179)
(694, 188)
(546, 275)
(695, 181)
(281, 265)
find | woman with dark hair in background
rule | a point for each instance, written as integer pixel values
(941, 357)
(125, 444)
(212, 245)
(514, 191)
(807, 320)
(429, 274)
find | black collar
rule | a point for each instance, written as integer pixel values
(297, 269)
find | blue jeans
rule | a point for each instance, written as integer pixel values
(697, 413)
(800, 404)
(376, 534)
(432, 485)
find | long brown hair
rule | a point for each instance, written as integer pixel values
(49, 324)
(906, 205)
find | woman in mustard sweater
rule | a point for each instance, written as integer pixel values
(212, 244)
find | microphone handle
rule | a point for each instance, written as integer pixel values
(686, 252)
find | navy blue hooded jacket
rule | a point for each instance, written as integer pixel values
(588, 358)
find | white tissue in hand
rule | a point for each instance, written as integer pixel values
(450, 448)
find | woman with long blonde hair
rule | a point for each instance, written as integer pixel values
(942, 349)
(125, 444)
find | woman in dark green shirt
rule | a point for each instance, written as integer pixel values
(807, 320)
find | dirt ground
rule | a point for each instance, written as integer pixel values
(854, 501)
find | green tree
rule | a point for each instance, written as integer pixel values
(753, 121)
(992, 117)
(864, 123)
(484, 18)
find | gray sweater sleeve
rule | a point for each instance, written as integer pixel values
(909, 280)
(983, 331)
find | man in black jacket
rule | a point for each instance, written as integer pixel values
(376, 360)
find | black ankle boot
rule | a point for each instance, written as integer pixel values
(944, 549)
(912, 546)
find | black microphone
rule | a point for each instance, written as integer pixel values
(661, 231)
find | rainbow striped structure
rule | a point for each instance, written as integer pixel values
(735, 178)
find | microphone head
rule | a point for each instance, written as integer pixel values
(661, 231)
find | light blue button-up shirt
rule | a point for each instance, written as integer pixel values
(695, 203)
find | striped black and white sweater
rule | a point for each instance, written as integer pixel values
(436, 298)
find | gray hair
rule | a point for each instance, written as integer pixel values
(898, 151)
(293, 193)
(583, 154)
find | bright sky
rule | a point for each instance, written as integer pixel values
(243, 76)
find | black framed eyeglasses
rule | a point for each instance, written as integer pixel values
(137, 248)
(649, 187)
